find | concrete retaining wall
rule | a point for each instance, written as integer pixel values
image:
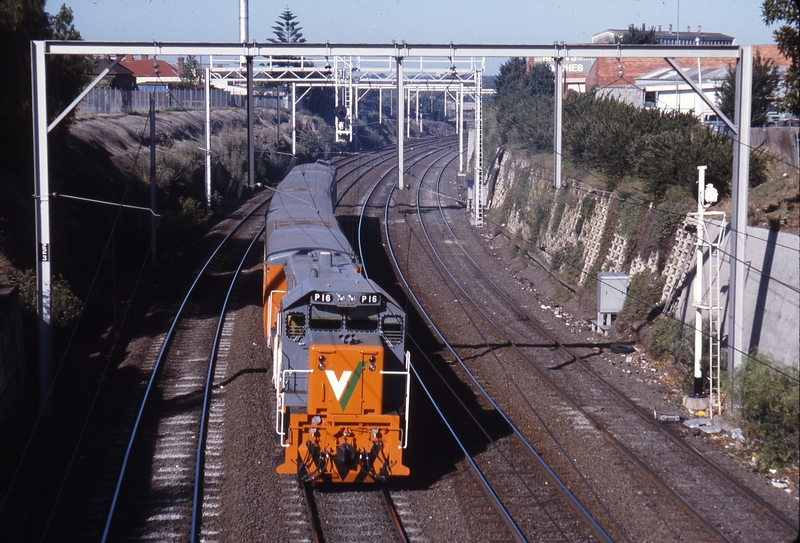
(771, 297)
(772, 320)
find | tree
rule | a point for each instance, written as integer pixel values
(286, 29)
(511, 77)
(788, 39)
(542, 80)
(637, 36)
(766, 79)
(515, 77)
(190, 74)
(68, 74)
(20, 22)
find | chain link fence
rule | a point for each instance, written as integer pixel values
(111, 101)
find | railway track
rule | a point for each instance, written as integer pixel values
(353, 514)
(504, 330)
(159, 491)
(532, 502)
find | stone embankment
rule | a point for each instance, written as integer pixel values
(582, 230)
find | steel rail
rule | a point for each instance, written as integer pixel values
(425, 154)
(508, 421)
(398, 524)
(510, 521)
(582, 510)
(200, 456)
(645, 415)
(574, 404)
(156, 370)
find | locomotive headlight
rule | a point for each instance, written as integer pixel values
(321, 359)
(372, 363)
(316, 419)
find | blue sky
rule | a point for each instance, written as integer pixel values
(415, 21)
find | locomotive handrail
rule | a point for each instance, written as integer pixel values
(280, 404)
(407, 373)
(269, 313)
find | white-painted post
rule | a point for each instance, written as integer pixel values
(207, 76)
(460, 129)
(559, 107)
(400, 116)
(42, 208)
(697, 391)
(294, 119)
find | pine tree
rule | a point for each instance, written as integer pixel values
(286, 29)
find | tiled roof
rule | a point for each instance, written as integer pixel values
(606, 71)
(145, 68)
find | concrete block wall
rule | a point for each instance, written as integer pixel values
(772, 285)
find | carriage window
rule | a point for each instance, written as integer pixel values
(295, 324)
(362, 318)
(325, 318)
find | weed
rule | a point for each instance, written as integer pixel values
(769, 405)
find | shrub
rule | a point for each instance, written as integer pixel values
(670, 337)
(644, 296)
(65, 305)
(769, 403)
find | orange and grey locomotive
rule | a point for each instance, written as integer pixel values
(340, 370)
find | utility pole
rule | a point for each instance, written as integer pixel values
(207, 75)
(153, 177)
(559, 108)
(42, 203)
(400, 114)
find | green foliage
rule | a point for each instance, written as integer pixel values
(587, 210)
(65, 308)
(190, 74)
(67, 74)
(286, 29)
(787, 36)
(766, 79)
(644, 297)
(637, 36)
(183, 224)
(671, 338)
(769, 403)
(561, 203)
(569, 259)
(660, 224)
(178, 163)
(314, 144)
(20, 22)
(522, 109)
(631, 213)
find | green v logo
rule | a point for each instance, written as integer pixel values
(344, 386)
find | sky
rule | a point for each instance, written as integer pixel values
(415, 21)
